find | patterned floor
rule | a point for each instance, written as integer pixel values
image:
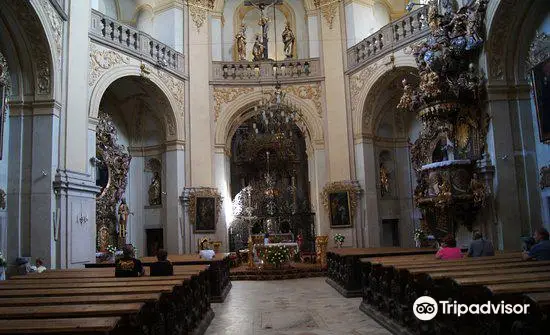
(290, 307)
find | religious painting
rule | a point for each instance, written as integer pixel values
(205, 215)
(541, 88)
(339, 210)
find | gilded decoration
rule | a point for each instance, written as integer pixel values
(321, 243)
(32, 26)
(310, 92)
(225, 95)
(101, 61)
(332, 195)
(198, 197)
(545, 177)
(114, 159)
(328, 9)
(57, 27)
(176, 87)
(199, 11)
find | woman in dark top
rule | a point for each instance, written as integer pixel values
(163, 267)
(128, 266)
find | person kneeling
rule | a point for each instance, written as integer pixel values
(163, 267)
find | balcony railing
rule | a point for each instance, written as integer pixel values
(137, 43)
(294, 70)
(389, 38)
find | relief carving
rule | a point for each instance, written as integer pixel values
(225, 95)
(57, 27)
(199, 11)
(176, 87)
(102, 60)
(328, 9)
(310, 92)
(539, 50)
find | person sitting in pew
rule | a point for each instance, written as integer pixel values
(480, 247)
(39, 267)
(541, 250)
(449, 249)
(128, 266)
(163, 267)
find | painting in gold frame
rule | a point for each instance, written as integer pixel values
(339, 209)
(205, 215)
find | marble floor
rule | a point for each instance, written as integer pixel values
(290, 307)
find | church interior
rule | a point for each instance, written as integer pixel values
(299, 167)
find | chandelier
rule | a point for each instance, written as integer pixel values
(275, 115)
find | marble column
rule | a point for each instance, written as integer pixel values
(318, 180)
(175, 182)
(222, 182)
(367, 177)
(336, 117)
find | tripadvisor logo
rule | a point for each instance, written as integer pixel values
(426, 308)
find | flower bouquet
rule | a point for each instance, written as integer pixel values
(419, 236)
(339, 240)
(277, 255)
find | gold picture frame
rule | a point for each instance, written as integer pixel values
(340, 200)
(204, 209)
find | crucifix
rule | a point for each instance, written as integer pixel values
(263, 5)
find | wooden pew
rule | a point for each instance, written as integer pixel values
(85, 299)
(344, 269)
(88, 326)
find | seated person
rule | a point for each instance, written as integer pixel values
(23, 266)
(266, 238)
(541, 250)
(449, 249)
(480, 247)
(128, 266)
(39, 267)
(163, 267)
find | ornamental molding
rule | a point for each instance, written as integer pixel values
(198, 9)
(353, 189)
(311, 92)
(101, 60)
(358, 81)
(57, 28)
(539, 50)
(34, 31)
(328, 9)
(5, 74)
(225, 95)
(502, 21)
(177, 89)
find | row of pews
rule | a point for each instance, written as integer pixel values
(391, 285)
(93, 301)
(344, 269)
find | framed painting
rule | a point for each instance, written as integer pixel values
(205, 215)
(540, 75)
(339, 204)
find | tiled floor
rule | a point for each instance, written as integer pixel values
(290, 307)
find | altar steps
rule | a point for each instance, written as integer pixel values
(298, 271)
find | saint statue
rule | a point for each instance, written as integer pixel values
(103, 238)
(288, 40)
(240, 42)
(155, 191)
(258, 50)
(123, 212)
(384, 180)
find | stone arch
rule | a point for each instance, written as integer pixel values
(28, 30)
(175, 102)
(506, 21)
(236, 112)
(368, 78)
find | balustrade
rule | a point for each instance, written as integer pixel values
(389, 38)
(267, 71)
(137, 43)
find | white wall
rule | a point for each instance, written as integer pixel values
(363, 20)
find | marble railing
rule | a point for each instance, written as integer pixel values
(389, 38)
(129, 40)
(292, 70)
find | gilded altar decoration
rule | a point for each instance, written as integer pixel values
(103, 239)
(154, 193)
(340, 199)
(448, 102)
(2, 199)
(199, 11)
(544, 177)
(321, 243)
(384, 180)
(240, 42)
(288, 41)
(112, 166)
(204, 209)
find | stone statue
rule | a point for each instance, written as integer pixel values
(240, 42)
(258, 50)
(123, 212)
(103, 238)
(288, 40)
(155, 191)
(384, 180)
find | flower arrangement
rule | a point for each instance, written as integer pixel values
(111, 249)
(339, 238)
(276, 255)
(419, 235)
(3, 261)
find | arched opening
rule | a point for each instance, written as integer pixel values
(135, 123)
(269, 173)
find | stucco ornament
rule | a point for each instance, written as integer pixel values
(310, 92)
(225, 95)
(328, 9)
(176, 87)
(57, 28)
(199, 11)
(101, 61)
